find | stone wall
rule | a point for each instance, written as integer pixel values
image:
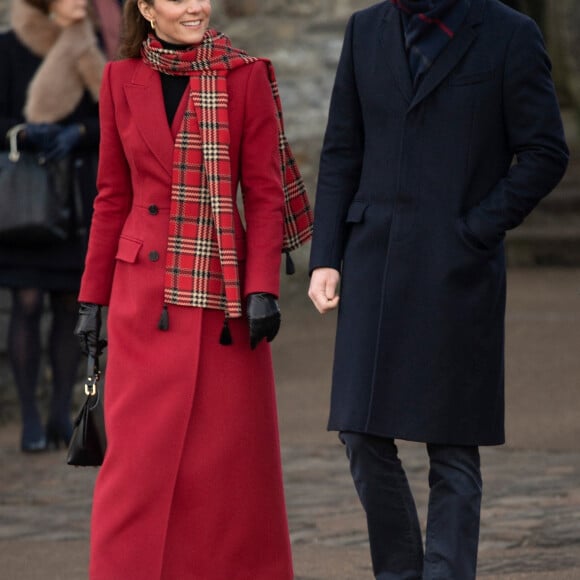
(237, 8)
(303, 39)
(4, 10)
(566, 29)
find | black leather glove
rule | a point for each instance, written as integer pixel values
(41, 135)
(263, 317)
(64, 142)
(88, 329)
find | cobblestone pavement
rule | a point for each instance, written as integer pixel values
(530, 515)
(530, 518)
(531, 509)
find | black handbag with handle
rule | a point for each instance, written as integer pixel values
(88, 442)
(35, 197)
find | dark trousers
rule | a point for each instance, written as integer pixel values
(394, 531)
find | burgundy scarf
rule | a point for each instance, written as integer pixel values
(429, 26)
(202, 264)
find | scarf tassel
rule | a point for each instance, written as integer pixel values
(164, 320)
(226, 335)
(290, 268)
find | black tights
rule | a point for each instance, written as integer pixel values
(24, 352)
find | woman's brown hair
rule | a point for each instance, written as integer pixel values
(135, 30)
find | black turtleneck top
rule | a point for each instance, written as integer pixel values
(173, 86)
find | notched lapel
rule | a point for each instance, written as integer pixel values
(145, 99)
(393, 44)
(453, 53)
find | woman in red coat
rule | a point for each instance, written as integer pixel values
(191, 485)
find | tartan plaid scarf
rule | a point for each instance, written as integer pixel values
(429, 26)
(202, 265)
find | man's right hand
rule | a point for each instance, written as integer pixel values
(323, 289)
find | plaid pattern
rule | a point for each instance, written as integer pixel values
(429, 26)
(202, 266)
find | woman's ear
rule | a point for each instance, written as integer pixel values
(145, 9)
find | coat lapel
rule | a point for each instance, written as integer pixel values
(393, 46)
(145, 99)
(453, 53)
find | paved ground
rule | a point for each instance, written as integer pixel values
(531, 510)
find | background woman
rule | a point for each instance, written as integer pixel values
(50, 73)
(191, 485)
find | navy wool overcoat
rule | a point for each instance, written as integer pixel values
(417, 188)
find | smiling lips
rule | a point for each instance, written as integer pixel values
(192, 23)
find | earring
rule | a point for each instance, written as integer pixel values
(152, 22)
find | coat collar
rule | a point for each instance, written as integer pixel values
(392, 36)
(145, 98)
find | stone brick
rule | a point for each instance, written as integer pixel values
(237, 8)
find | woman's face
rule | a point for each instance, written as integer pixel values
(178, 21)
(67, 12)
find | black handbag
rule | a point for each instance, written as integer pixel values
(35, 197)
(88, 442)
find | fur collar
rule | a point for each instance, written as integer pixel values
(72, 63)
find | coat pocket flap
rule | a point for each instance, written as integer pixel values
(471, 78)
(356, 212)
(128, 249)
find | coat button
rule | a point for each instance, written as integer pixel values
(153, 210)
(154, 256)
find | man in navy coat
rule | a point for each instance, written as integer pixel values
(444, 132)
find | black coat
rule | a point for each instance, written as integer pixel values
(416, 192)
(17, 68)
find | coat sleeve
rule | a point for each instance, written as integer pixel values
(535, 135)
(261, 183)
(340, 162)
(111, 206)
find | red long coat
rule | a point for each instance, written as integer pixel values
(191, 486)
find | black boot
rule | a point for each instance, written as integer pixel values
(24, 357)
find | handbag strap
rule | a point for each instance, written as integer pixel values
(12, 135)
(93, 376)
